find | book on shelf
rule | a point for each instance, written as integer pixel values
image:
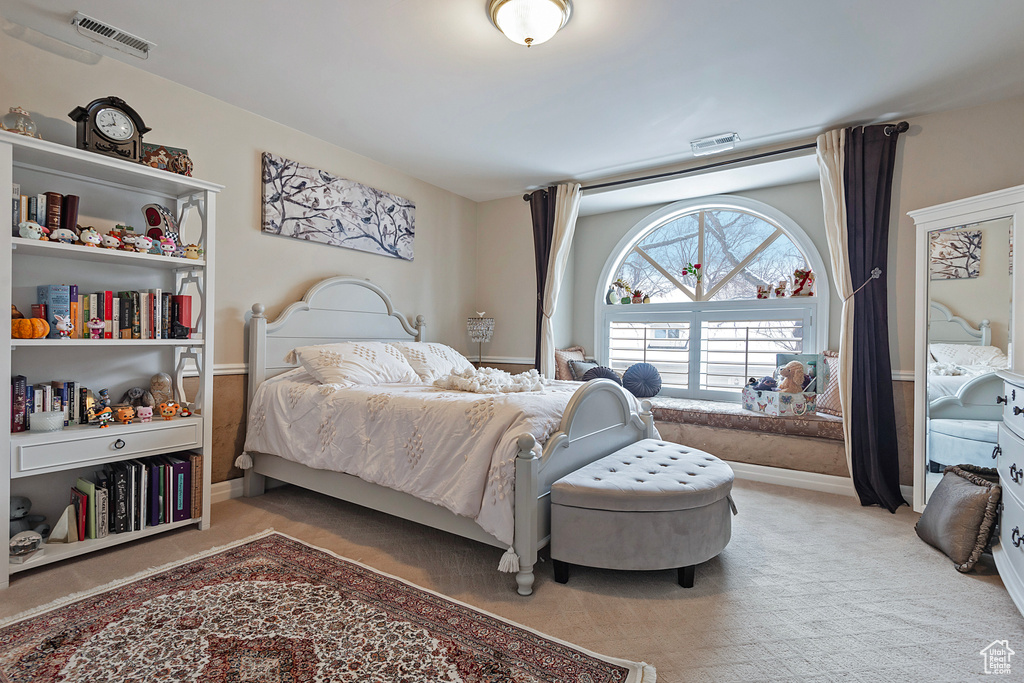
(57, 299)
(19, 403)
(181, 489)
(16, 209)
(102, 507)
(69, 212)
(89, 489)
(118, 503)
(33, 204)
(197, 485)
(54, 203)
(81, 503)
(108, 314)
(76, 317)
(22, 209)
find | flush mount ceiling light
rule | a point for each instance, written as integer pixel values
(529, 22)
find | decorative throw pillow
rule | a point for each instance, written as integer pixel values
(578, 368)
(562, 358)
(961, 514)
(431, 360)
(828, 399)
(642, 380)
(969, 354)
(601, 372)
(355, 362)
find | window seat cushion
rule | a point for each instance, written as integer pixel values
(727, 415)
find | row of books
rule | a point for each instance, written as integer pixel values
(75, 400)
(148, 314)
(133, 495)
(52, 210)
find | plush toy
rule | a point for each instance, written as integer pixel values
(792, 374)
(21, 520)
(766, 384)
(137, 397)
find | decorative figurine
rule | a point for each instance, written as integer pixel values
(160, 385)
(31, 230)
(64, 236)
(21, 520)
(803, 282)
(143, 244)
(137, 396)
(15, 313)
(64, 325)
(780, 289)
(96, 328)
(180, 164)
(105, 417)
(638, 296)
(160, 222)
(90, 238)
(103, 399)
(128, 242)
(764, 291)
(167, 246)
(145, 413)
(110, 242)
(168, 410)
(17, 120)
(125, 414)
(185, 412)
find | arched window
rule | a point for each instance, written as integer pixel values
(700, 263)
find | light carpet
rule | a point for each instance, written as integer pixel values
(812, 587)
(275, 610)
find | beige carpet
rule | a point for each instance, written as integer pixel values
(812, 588)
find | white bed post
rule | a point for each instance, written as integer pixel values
(419, 328)
(647, 415)
(526, 532)
(254, 484)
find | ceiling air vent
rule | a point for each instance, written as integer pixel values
(714, 144)
(112, 37)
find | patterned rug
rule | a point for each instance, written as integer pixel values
(274, 610)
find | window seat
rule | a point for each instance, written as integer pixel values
(725, 415)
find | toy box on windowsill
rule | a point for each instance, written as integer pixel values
(778, 403)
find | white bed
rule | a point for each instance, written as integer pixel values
(581, 423)
(958, 390)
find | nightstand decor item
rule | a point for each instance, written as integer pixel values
(110, 126)
(480, 330)
(308, 204)
(17, 120)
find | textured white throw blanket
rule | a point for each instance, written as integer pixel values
(491, 381)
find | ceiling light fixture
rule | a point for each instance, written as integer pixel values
(529, 22)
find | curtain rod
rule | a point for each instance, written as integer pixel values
(889, 129)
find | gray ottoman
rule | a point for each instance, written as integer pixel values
(650, 505)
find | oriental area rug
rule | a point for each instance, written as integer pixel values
(272, 609)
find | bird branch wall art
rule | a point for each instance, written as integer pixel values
(309, 204)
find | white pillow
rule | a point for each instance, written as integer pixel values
(356, 362)
(969, 354)
(432, 361)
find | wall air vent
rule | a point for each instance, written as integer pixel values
(714, 144)
(111, 36)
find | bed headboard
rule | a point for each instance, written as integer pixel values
(336, 309)
(946, 328)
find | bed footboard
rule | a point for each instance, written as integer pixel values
(599, 420)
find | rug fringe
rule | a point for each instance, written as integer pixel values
(117, 583)
(647, 674)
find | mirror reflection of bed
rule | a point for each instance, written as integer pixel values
(963, 415)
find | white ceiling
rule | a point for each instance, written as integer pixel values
(431, 88)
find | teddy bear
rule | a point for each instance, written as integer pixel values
(21, 520)
(792, 374)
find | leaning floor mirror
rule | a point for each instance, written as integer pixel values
(964, 333)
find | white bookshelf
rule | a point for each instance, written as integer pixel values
(44, 465)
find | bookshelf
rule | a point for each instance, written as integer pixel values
(45, 465)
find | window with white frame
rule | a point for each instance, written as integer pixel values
(698, 266)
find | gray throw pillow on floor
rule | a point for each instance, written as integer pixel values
(961, 513)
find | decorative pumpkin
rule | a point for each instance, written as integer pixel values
(29, 328)
(15, 313)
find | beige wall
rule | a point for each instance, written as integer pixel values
(942, 158)
(986, 297)
(225, 143)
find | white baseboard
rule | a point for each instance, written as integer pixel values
(812, 481)
(505, 360)
(226, 490)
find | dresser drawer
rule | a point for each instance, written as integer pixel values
(1011, 538)
(1010, 463)
(1013, 411)
(35, 453)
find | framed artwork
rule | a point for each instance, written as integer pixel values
(309, 204)
(955, 255)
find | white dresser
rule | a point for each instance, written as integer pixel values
(1009, 551)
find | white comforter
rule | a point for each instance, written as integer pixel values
(451, 448)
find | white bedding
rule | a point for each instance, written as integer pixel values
(454, 449)
(946, 379)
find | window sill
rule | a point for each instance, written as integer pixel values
(726, 415)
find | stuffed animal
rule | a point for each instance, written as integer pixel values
(137, 397)
(792, 374)
(766, 384)
(21, 520)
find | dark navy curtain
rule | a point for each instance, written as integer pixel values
(867, 176)
(542, 210)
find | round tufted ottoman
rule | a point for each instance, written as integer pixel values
(650, 505)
